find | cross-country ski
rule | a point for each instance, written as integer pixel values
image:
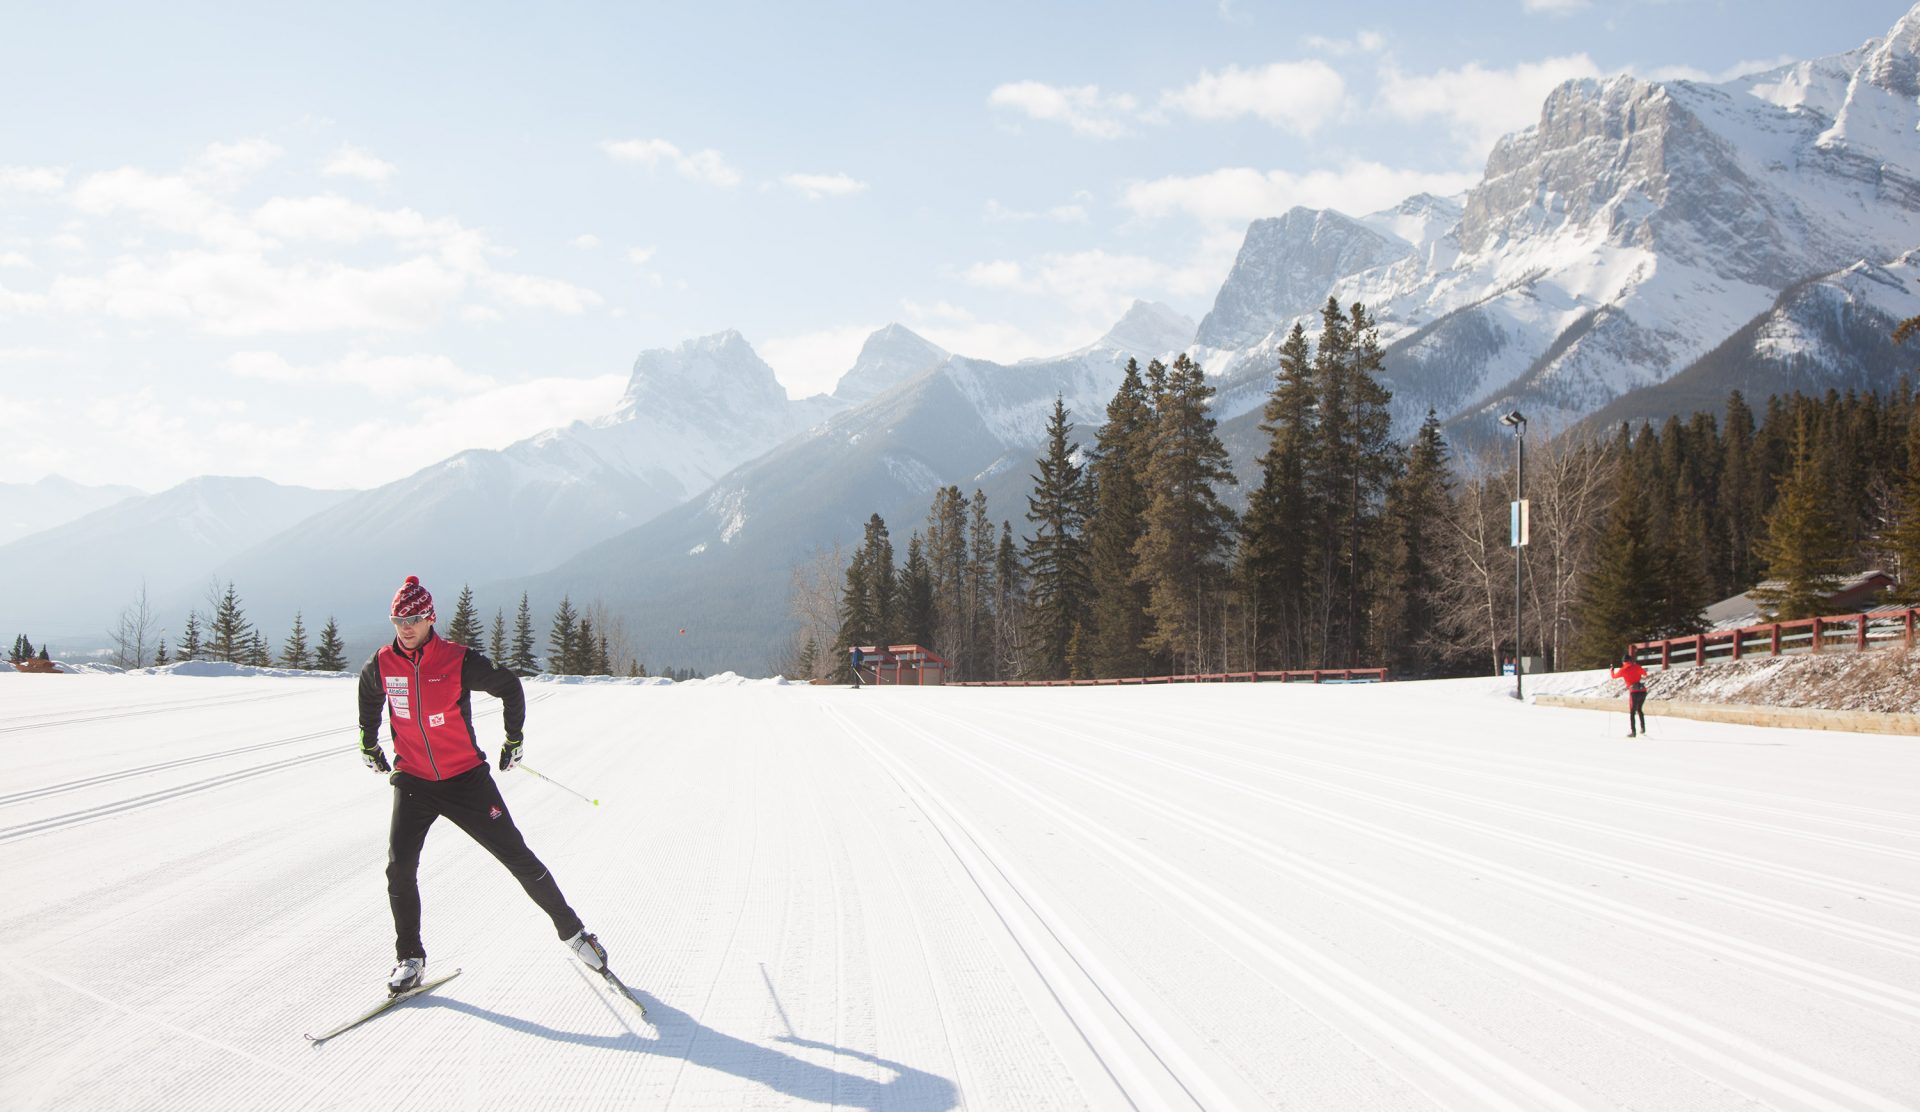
(384, 1006)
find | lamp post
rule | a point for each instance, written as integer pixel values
(1518, 522)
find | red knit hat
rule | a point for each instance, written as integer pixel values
(412, 599)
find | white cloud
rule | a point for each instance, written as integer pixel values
(15, 260)
(1364, 42)
(226, 166)
(352, 162)
(175, 203)
(1481, 105)
(1556, 7)
(384, 376)
(1235, 196)
(586, 242)
(997, 213)
(815, 186)
(1083, 108)
(812, 362)
(640, 255)
(706, 166)
(32, 179)
(1097, 285)
(959, 330)
(1295, 96)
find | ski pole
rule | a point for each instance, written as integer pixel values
(555, 783)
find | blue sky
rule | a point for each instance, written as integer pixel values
(333, 247)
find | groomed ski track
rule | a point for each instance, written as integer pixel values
(1407, 896)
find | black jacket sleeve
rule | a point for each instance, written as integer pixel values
(373, 701)
(477, 673)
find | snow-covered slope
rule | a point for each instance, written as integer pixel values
(71, 581)
(1611, 246)
(27, 508)
(1220, 897)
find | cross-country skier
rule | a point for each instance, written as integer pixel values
(855, 656)
(1636, 681)
(426, 683)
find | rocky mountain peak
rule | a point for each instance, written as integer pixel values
(1285, 269)
(1149, 329)
(720, 373)
(891, 356)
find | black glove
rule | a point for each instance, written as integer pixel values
(510, 753)
(370, 753)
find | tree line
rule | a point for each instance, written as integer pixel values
(580, 642)
(1356, 550)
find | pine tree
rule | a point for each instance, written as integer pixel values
(294, 653)
(561, 646)
(1621, 597)
(22, 650)
(1805, 543)
(916, 595)
(980, 617)
(947, 560)
(231, 635)
(882, 580)
(190, 646)
(1056, 554)
(1417, 508)
(1906, 531)
(259, 653)
(465, 629)
(1187, 527)
(602, 658)
(1277, 534)
(497, 644)
(1122, 450)
(330, 656)
(1009, 607)
(522, 661)
(160, 658)
(581, 663)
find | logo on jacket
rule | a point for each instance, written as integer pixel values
(436, 719)
(396, 685)
(494, 812)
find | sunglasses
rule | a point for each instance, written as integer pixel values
(408, 623)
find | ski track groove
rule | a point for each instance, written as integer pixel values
(1179, 1070)
(138, 711)
(1491, 1081)
(1887, 997)
(1750, 1062)
(1864, 933)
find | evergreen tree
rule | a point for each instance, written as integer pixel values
(1905, 539)
(1117, 473)
(522, 661)
(1417, 509)
(882, 580)
(1009, 607)
(916, 595)
(1620, 599)
(330, 656)
(1737, 505)
(231, 634)
(980, 616)
(1805, 543)
(190, 646)
(497, 644)
(294, 653)
(22, 650)
(1056, 554)
(1355, 461)
(1277, 534)
(581, 663)
(160, 659)
(561, 647)
(602, 658)
(465, 629)
(947, 560)
(1187, 527)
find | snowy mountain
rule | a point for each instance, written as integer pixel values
(27, 508)
(688, 415)
(1610, 247)
(719, 566)
(71, 581)
(890, 357)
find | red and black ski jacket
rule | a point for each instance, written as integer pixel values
(429, 694)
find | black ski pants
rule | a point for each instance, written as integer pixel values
(472, 802)
(1636, 711)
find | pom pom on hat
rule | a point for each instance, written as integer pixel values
(412, 599)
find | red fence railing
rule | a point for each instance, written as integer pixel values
(1857, 632)
(1303, 675)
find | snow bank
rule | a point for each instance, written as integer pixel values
(724, 679)
(223, 668)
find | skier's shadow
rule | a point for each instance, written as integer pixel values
(681, 1036)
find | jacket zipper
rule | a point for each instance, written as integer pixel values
(419, 712)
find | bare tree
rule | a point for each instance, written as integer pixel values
(1571, 480)
(1475, 604)
(622, 653)
(813, 602)
(135, 637)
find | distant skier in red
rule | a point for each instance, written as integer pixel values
(426, 684)
(1636, 681)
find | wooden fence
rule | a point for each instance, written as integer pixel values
(1309, 675)
(1842, 632)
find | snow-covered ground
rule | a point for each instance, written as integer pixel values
(1402, 896)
